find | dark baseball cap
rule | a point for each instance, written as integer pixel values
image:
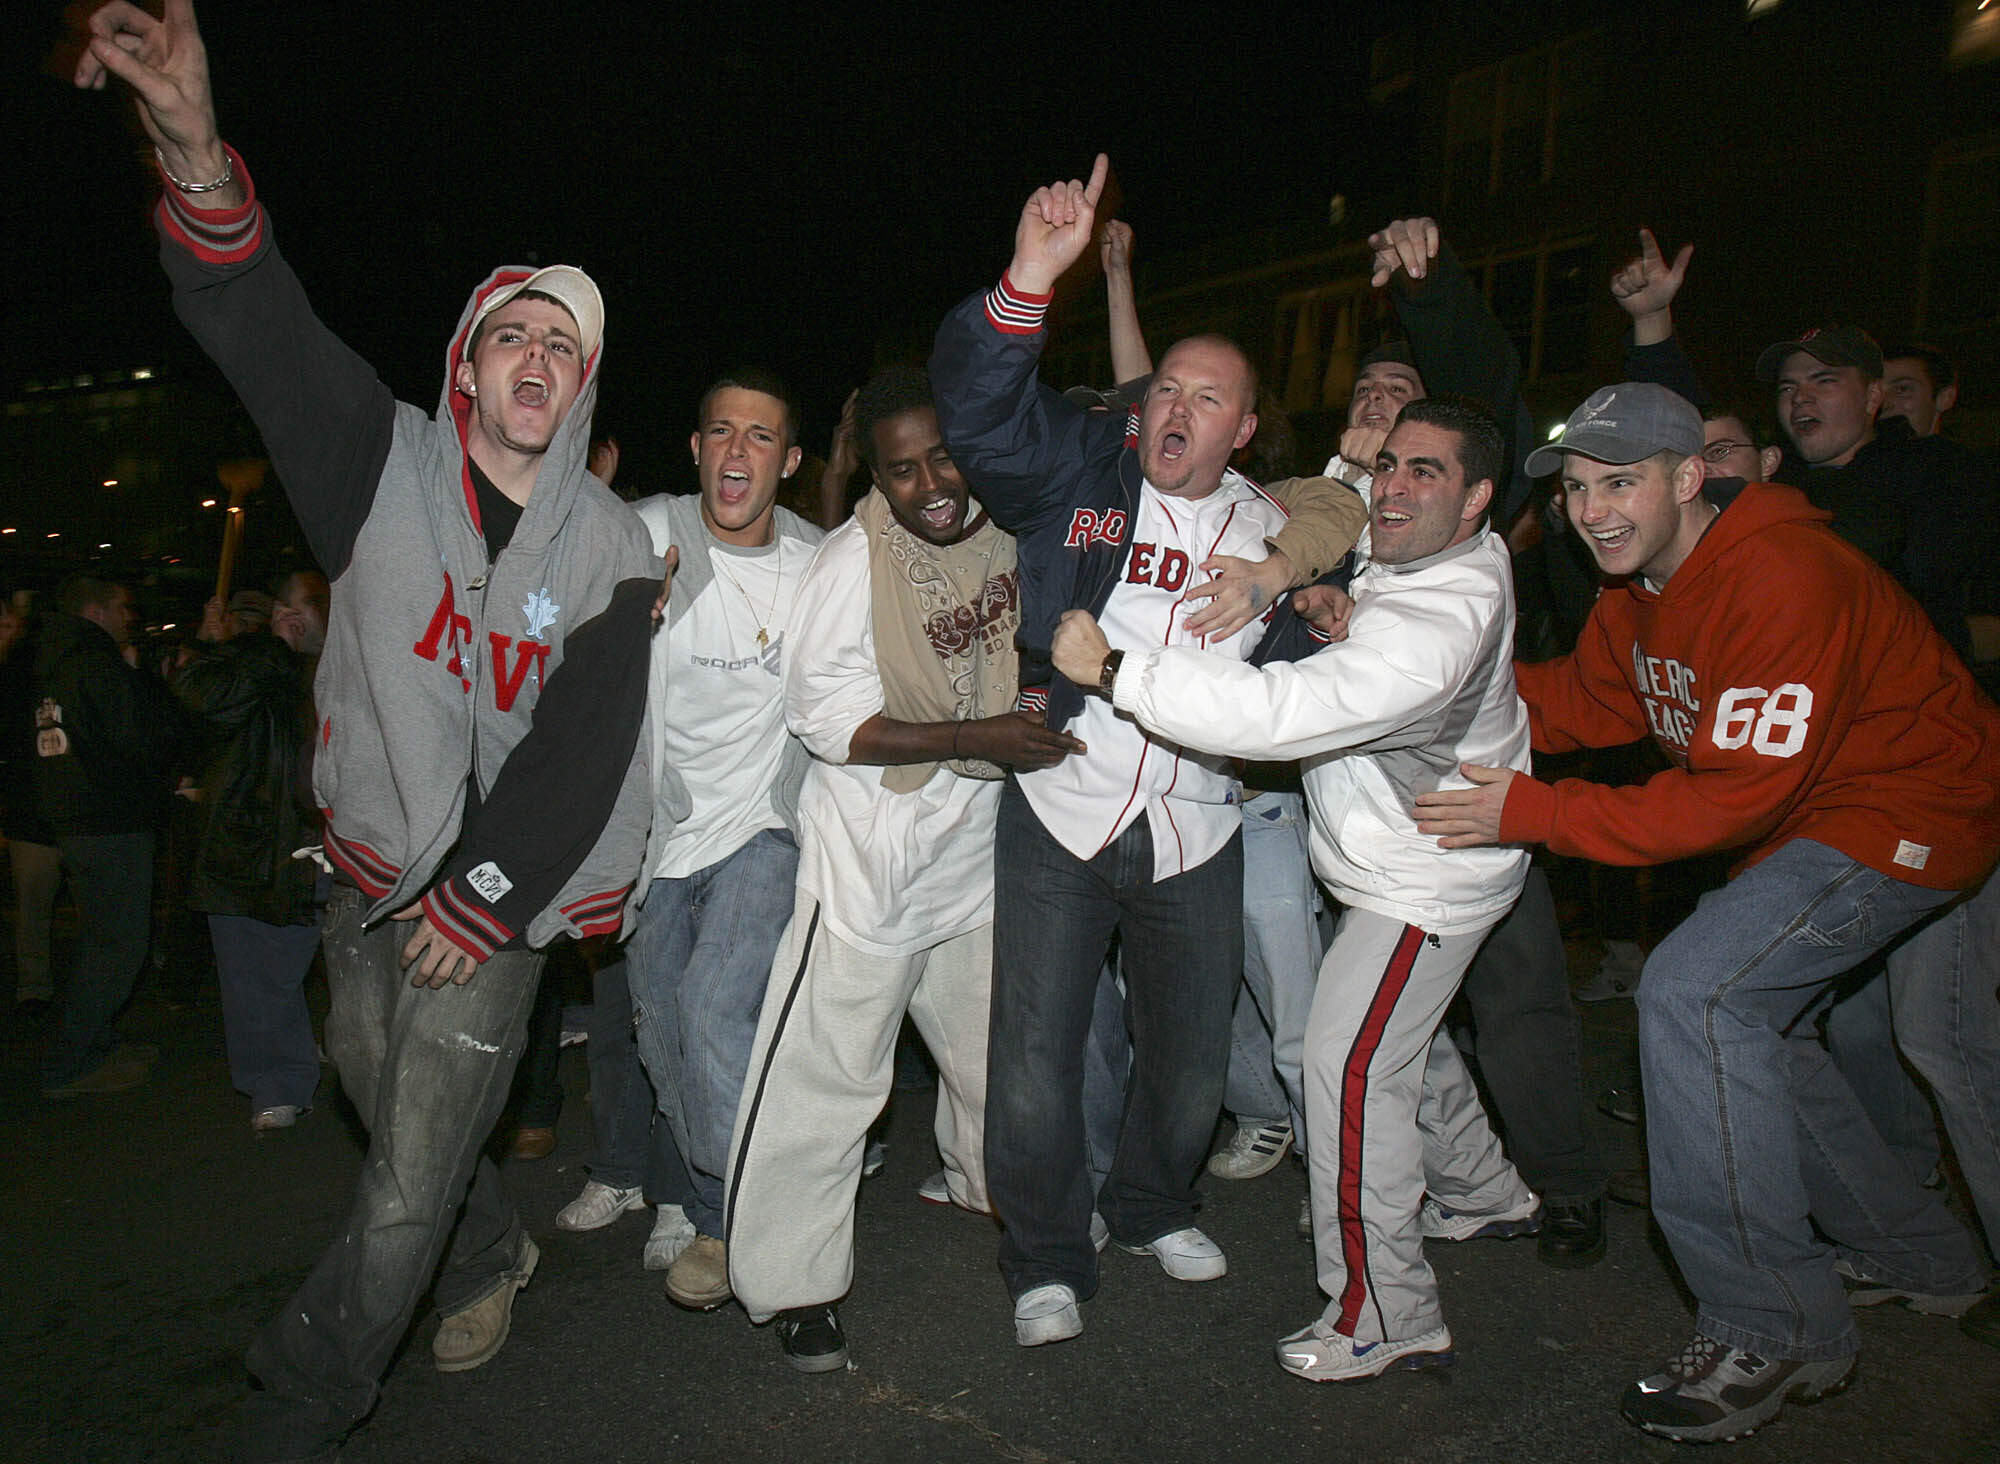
(1623, 424)
(1835, 345)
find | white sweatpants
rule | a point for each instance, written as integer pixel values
(1391, 1112)
(820, 1071)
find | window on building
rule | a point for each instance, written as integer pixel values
(1318, 340)
(1961, 266)
(1520, 121)
(1543, 300)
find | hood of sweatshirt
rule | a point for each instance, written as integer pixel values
(560, 476)
(1758, 508)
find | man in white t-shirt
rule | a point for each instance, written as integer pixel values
(723, 856)
(902, 686)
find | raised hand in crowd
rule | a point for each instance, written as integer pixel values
(1057, 224)
(843, 458)
(166, 65)
(1645, 289)
(1129, 357)
(1408, 245)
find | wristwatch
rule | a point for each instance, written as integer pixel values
(1108, 672)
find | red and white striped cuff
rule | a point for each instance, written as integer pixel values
(1014, 311)
(214, 235)
(464, 920)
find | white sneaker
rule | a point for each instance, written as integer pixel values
(672, 1233)
(1438, 1223)
(598, 1206)
(935, 1190)
(1321, 1355)
(1185, 1255)
(1306, 1217)
(1100, 1233)
(1617, 977)
(1046, 1314)
(1257, 1147)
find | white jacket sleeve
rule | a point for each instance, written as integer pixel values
(1406, 656)
(831, 684)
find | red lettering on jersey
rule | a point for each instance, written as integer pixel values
(1139, 567)
(445, 620)
(1173, 570)
(1087, 527)
(507, 684)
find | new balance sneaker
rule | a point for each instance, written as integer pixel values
(1319, 1354)
(935, 1190)
(1046, 1314)
(672, 1233)
(465, 1339)
(1866, 1289)
(1438, 1223)
(1572, 1233)
(277, 1116)
(1617, 975)
(599, 1205)
(1257, 1147)
(812, 1339)
(1712, 1393)
(1185, 1255)
(873, 1157)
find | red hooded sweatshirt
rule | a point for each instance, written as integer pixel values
(1799, 693)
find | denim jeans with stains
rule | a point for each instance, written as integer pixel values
(428, 1072)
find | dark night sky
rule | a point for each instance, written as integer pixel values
(767, 185)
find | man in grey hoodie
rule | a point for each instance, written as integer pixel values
(477, 755)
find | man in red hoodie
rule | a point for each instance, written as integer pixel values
(1817, 723)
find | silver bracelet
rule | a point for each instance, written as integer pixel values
(228, 174)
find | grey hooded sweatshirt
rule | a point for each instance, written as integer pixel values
(479, 740)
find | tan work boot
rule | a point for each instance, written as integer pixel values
(468, 1338)
(700, 1278)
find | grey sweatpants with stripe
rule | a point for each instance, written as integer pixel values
(1391, 1113)
(820, 1071)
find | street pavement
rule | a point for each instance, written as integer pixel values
(147, 1233)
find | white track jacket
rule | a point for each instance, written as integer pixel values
(1423, 682)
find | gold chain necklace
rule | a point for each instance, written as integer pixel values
(716, 558)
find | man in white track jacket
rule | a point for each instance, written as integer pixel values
(1421, 682)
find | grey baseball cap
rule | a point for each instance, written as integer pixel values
(1623, 424)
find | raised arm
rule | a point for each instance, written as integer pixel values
(1129, 357)
(323, 413)
(1019, 444)
(1645, 289)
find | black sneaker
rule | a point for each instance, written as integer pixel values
(1713, 1393)
(1572, 1233)
(812, 1339)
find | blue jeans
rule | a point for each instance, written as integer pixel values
(1942, 984)
(635, 1148)
(1861, 1035)
(428, 1072)
(261, 970)
(1181, 953)
(1281, 956)
(698, 964)
(111, 880)
(1750, 1126)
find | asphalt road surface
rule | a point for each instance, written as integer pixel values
(146, 1233)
